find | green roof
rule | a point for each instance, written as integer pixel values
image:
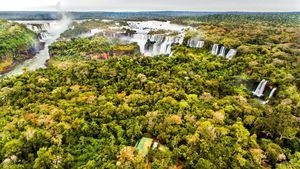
(144, 145)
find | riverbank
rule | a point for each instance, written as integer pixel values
(17, 44)
(46, 32)
(29, 54)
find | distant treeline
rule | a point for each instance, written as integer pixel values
(38, 15)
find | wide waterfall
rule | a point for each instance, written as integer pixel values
(260, 88)
(155, 44)
(194, 43)
(215, 49)
(151, 45)
(231, 54)
(36, 26)
(222, 51)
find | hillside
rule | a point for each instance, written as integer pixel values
(17, 43)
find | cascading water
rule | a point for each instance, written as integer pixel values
(43, 36)
(166, 46)
(270, 96)
(193, 43)
(272, 92)
(260, 88)
(222, 51)
(151, 45)
(37, 26)
(215, 49)
(231, 54)
(156, 44)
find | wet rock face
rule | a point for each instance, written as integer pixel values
(129, 32)
(35, 49)
(32, 51)
(42, 45)
(149, 45)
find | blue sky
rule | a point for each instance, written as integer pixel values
(150, 5)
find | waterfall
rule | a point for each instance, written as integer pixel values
(42, 28)
(222, 51)
(193, 43)
(260, 88)
(179, 39)
(161, 43)
(166, 45)
(43, 36)
(272, 92)
(270, 96)
(151, 45)
(157, 43)
(37, 26)
(231, 54)
(215, 49)
(201, 44)
(169, 49)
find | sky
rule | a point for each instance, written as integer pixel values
(152, 5)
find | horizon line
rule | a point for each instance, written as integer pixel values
(137, 11)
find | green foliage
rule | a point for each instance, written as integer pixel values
(82, 113)
(80, 47)
(76, 31)
(15, 39)
(91, 111)
(92, 48)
